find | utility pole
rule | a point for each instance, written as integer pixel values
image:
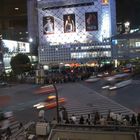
(57, 104)
(1, 56)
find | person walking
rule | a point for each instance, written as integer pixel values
(133, 120)
(81, 120)
(41, 115)
(73, 118)
(138, 119)
(65, 114)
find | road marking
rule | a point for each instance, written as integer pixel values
(92, 102)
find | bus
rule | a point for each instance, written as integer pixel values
(117, 81)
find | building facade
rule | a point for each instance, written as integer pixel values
(126, 46)
(13, 26)
(74, 30)
(13, 20)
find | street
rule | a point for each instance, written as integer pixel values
(81, 99)
(127, 96)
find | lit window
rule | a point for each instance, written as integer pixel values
(16, 8)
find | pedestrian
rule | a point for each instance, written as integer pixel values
(81, 120)
(65, 114)
(96, 117)
(133, 120)
(8, 132)
(67, 121)
(89, 119)
(73, 118)
(20, 125)
(61, 115)
(102, 121)
(119, 118)
(41, 115)
(138, 119)
(54, 121)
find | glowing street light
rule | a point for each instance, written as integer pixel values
(30, 40)
(127, 24)
(127, 27)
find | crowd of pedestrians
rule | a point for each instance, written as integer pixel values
(96, 118)
(70, 75)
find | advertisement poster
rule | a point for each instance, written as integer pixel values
(48, 25)
(91, 21)
(69, 23)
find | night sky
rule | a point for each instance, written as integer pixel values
(129, 10)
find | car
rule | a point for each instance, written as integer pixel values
(117, 81)
(45, 89)
(92, 79)
(49, 103)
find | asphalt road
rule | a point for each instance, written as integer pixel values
(128, 96)
(79, 98)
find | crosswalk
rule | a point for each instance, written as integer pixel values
(12, 123)
(136, 82)
(87, 101)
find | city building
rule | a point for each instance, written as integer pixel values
(126, 46)
(14, 32)
(72, 31)
(13, 20)
(13, 24)
(1, 56)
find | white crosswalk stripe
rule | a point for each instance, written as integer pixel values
(89, 103)
(103, 110)
(14, 124)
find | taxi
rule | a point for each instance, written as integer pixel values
(45, 89)
(50, 103)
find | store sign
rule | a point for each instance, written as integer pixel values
(137, 44)
(16, 46)
(105, 2)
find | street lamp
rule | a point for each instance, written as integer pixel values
(30, 40)
(57, 104)
(127, 27)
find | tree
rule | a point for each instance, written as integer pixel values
(20, 64)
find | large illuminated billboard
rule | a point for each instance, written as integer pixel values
(16, 46)
(48, 25)
(62, 22)
(66, 25)
(72, 23)
(91, 21)
(13, 47)
(69, 23)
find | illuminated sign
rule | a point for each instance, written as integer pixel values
(105, 2)
(91, 21)
(48, 25)
(137, 44)
(63, 24)
(16, 46)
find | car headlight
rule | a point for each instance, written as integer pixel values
(111, 88)
(36, 105)
(105, 87)
(40, 106)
